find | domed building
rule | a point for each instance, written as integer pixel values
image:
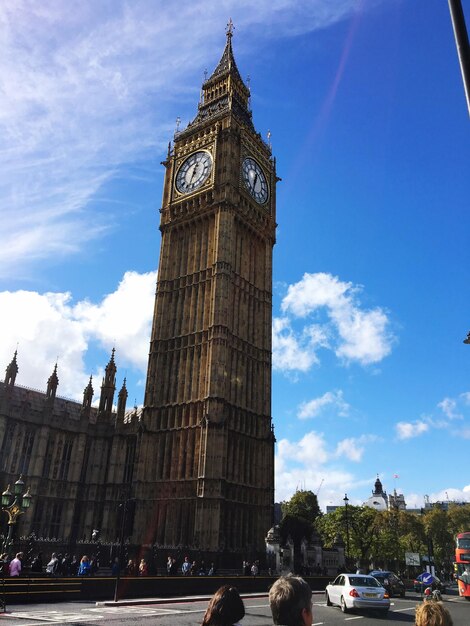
(379, 498)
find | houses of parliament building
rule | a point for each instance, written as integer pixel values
(197, 460)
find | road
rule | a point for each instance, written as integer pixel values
(186, 613)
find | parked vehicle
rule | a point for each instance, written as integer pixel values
(390, 581)
(357, 591)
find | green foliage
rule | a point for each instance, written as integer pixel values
(458, 518)
(298, 516)
(383, 537)
(303, 504)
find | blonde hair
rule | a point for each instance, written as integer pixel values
(432, 614)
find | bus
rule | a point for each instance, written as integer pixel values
(462, 564)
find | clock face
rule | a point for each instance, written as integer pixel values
(194, 172)
(255, 180)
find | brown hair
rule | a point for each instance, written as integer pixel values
(288, 598)
(225, 608)
(432, 613)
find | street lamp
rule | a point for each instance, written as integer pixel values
(125, 508)
(14, 504)
(346, 502)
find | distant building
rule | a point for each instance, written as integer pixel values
(380, 501)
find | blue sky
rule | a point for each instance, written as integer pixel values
(368, 122)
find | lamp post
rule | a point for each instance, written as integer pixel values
(14, 504)
(125, 508)
(346, 502)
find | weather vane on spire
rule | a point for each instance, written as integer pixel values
(230, 28)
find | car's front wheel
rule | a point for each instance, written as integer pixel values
(344, 608)
(328, 601)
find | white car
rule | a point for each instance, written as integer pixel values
(357, 591)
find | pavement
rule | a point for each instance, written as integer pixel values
(173, 599)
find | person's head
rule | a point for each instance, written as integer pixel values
(290, 599)
(19, 555)
(432, 614)
(225, 608)
(84, 558)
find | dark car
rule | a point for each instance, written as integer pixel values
(419, 586)
(390, 581)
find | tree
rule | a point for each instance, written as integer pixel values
(361, 526)
(299, 514)
(458, 519)
(440, 539)
(303, 504)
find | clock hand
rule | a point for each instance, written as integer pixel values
(254, 182)
(193, 173)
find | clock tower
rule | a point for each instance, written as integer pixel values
(205, 479)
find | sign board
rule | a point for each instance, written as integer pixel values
(412, 558)
(426, 578)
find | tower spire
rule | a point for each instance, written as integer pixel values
(122, 399)
(108, 386)
(224, 91)
(52, 384)
(11, 371)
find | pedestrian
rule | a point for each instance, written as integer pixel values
(225, 608)
(115, 569)
(36, 563)
(85, 567)
(131, 568)
(15, 565)
(186, 567)
(169, 563)
(254, 569)
(290, 599)
(4, 565)
(74, 565)
(432, 614)
(143, 568)
(52, 566)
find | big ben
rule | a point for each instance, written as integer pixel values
(205, 477)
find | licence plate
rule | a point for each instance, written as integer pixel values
(370, 595)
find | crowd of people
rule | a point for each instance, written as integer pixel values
(58, 565)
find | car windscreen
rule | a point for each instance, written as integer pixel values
(364, 581)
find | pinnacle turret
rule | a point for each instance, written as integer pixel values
(52, 384)
(11, 371)
(108, 386)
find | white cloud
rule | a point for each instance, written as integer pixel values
(449, 407)
(50, 326)
(353, 448)
(303, 465)
(315, 407)
(355, 334)
(86, 91)
(451, 494)
(308, 464)
(408, 430)
(288, 353)
(465, 397)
